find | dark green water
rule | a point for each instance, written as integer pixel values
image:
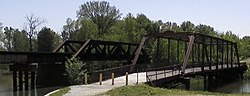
(235, 87)
(241, 86)
(6, 88)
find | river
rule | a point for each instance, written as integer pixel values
(240, 86)
(6, 88)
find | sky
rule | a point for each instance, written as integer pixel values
(223, 15)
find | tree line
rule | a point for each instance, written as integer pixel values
(102, 21)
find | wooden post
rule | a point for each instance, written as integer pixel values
(14, 80)
(100, 78)
(113, 76)
(137, 75)
(85, 78)
(26, 80)
(126, 78)
(20, 78)
(32, 80)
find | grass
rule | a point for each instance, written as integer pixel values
(146, 90)
(61, 92)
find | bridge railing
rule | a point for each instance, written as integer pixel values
(106, 73)
(173, 71)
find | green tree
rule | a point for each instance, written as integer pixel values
(69, 29)
(131, 29)
(45, 40)
(20, 41)
(172, 26)
(205, 29)
(101, 13)
(1, 36)
(187, 26)
(8, 38)
(88, 30)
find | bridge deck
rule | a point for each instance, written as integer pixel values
(171, 73)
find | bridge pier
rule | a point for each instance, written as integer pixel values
(186, 82)
(209, 82)
(22, 73)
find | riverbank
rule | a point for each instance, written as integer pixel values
(146, 90)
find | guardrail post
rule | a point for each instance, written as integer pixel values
(164, 73)
(100, 78)
(112, 76)
(126, 78)
(86, 78)
(137, 75)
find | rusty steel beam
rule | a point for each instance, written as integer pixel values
(137, 53)
(189, 49)
(80, 50)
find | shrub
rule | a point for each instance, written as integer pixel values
(75, 70)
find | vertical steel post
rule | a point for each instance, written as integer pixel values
(199, 54)
(217, 54)
(177, 54)
(237, 54)
(169, 54)
(222, 55)
(227, 56)
(232, 51)
(210, 54)
(203, 54)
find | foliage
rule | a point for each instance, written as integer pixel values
(46, 40)
(61, 92)
(101, 13)
(187, 26)
(20, 41)
(68, 29)
(14, 40)
(145, 90)
(75, 70)
(8, 37)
